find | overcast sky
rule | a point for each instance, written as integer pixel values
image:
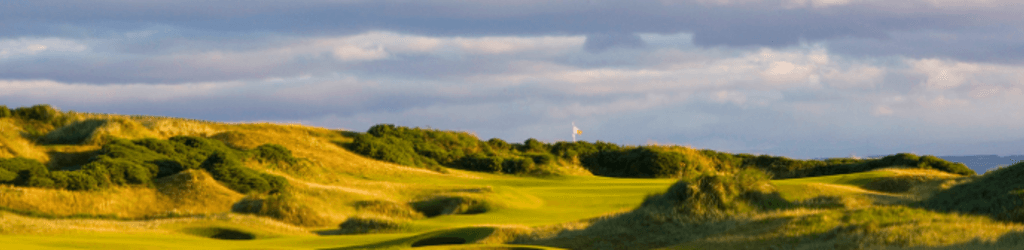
(796, 78)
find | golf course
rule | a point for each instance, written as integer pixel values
(109, 181)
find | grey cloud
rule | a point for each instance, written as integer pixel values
(765, 23)
(600, 42)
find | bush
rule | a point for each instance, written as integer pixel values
(491, 164)
(40, 112)
(73, 180)
(6, 176)
(517, 166)
(998, 193)
(717, 196)
(227, 169)
(5, 112)
(447, 204)
(388, 208)
(119, 171)
(283, 207)
(363, 224)
(75, 133)
(274, 153)
(28, 172)
(499, 144)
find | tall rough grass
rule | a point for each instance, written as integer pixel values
(998, 193)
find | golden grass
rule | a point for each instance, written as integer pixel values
(13, 224)
(13, 143)
(190, 192)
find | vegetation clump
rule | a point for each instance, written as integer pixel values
(388, 208)
(715, 195)
(998, 193)
(122, 162)
(432, 149)
(364, 224)
(282, 206)
(451, 204)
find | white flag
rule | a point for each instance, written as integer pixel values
(575, 131)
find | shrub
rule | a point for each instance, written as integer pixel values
(274, 153)
(283, 207)
(5, 112)
(388, 208)
(533, 146)
(998, 193)
(40, 112)
(29, 172)
(226, 168)
(498, 144)
(541, 158)
(120, 171)
(74, 133)
(6, 176)
(363, 224)
(491, 164)
(716, 196)
(517, 165)
(73, 180)
(449, 204)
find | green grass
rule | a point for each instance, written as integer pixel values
(874, 209)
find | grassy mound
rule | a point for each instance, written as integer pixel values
(364, 224)
(196, 192)
(998, 193)
(388, 208)
(221, 233)
(451, 204)
(283, 207)
(715, 195)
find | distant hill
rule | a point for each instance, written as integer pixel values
(979, 163)
(983, 163)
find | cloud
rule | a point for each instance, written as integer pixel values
(601, 42)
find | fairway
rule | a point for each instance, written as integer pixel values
(116, 182)
(526, 201)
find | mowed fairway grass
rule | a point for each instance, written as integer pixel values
(530, 202)
(859, 210)
(525, 201)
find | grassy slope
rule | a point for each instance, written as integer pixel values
(543, 209)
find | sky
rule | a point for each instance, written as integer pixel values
(795, 78)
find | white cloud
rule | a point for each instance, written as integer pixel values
(32, 46)
(48, 90)
(353, 53)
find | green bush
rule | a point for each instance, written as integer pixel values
(499, 144)
(227, 169)
(40, 112)
(274, 153)
(138, 162)
(29, 172)
(74, 180)
(5, 112)
(717, 196)
(998, 193)
(533, 146)
(541, 159)
(363, 224)
(283, 207)
(481, 163)
(6, 176)
(120, 171)
(74, 133)
(517, 165)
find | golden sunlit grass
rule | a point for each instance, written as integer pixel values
(185, 193)
(331, 186)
